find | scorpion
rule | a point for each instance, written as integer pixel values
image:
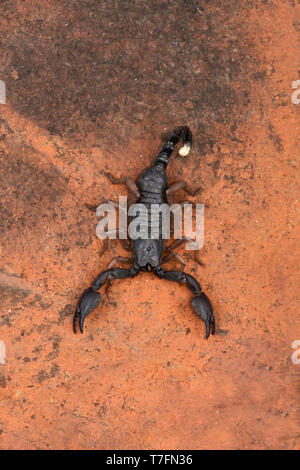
(148, 254)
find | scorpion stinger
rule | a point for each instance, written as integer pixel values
(180, 133)
(148, 253)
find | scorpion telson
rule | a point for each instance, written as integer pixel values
(148, 254)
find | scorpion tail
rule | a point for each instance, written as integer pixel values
(182, 133)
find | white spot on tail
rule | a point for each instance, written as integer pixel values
(184, 151)
(2, 352)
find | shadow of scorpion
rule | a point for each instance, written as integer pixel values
(151, 188)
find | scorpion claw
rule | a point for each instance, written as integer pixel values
(202, 307)
(87, 303)
(76, 315)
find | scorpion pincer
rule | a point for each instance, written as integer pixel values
(148, 254)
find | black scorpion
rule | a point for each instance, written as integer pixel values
(152, 188)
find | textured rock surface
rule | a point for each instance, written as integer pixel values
(91, 85)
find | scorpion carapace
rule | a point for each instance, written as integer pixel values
(148, 254)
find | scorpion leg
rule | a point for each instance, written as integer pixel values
(106, 241)
(197, 258)
(180, 185)
(119, 258)
(126, 244)
(175, 209)
(201, 303)
(90, 298)
(93, 208)
(175, 255)
(105, 246)
(128, 181)
(125, 241)
(179, 242)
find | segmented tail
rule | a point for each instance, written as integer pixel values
(182, 133)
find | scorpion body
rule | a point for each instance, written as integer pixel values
(152, 188)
